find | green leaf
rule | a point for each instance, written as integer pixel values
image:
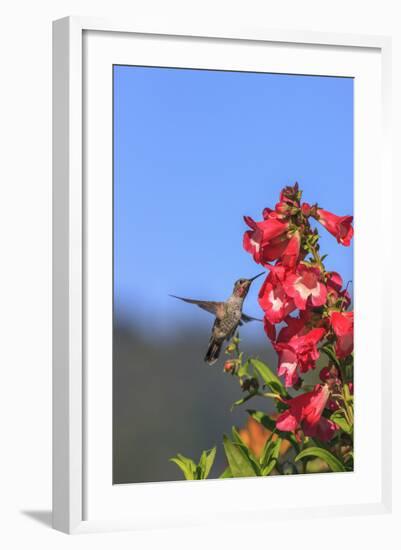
(239, 441)
(267, 452)
(186, 465)
(347, 395)
(236, 436)
(270, 456)
(316, 466)
(276, 449)
(202, 462)
(244, 399)
(270, 424)
(208, 462)
(193, 471)
(339, 418)
(240, 464)
(263, 419)
(226, 474)
(329, 351)
(332, 461)
(244, 369)
(269, 468)
(269, 378)
(188, 461)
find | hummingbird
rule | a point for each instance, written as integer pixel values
(228, 316)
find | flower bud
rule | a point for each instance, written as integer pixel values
(306, 209)
(249, 384)
(229, 366)
(328, 373)
(282, 208)
(332, 405)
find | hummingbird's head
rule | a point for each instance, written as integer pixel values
(242, 286)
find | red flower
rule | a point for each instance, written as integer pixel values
(296, 346)
(306, 209)
(291, 253)
(272, 297)
(305, 282)
(334, 285)
(305, 411)
(267, 239)
(283, 209)
(323, 430)
(270, 240)
(270, 329)
(339, 226)
(343, 326)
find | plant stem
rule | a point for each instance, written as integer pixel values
(316, 256)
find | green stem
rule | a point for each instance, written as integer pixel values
(316, 256)
(272, 395)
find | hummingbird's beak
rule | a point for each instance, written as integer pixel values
(256, 276)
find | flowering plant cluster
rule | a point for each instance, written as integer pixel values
(308, 320)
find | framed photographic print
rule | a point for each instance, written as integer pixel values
(217, 333)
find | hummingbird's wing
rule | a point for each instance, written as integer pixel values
(215, 308)
(247, 318)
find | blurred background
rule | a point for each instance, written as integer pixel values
(194, 151)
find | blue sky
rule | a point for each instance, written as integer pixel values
(196, 150)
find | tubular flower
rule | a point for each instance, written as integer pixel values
(270, 329)
(305, 283)
(267, 240)
(273, 298)
(305, 306)
(343, 326)
(291, 253)
(339, 226)
(296, 346)
(305, 411)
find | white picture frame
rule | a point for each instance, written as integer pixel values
(76, 481)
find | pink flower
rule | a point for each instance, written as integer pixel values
(343, 326)
(272, 297)
(296, 346)
(303, 284)
(339, 226)
(305, 411)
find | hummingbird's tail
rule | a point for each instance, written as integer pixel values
(213, 351)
